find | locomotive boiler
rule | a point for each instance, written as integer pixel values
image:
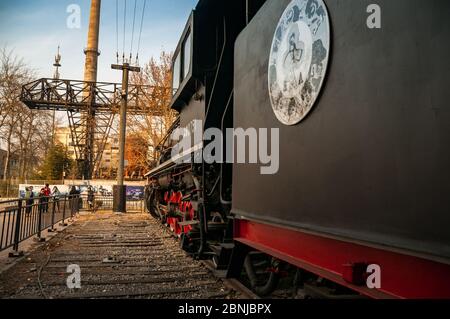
(358, 93)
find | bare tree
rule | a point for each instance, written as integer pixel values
(21, 130)
(33, 134)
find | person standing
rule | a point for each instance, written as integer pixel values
(42, 201)
(73, 199)
(47, 193)
(73, 191)
(90, 197)
(56, 195)
(29, 199)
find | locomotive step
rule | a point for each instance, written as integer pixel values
(189, 223)
(222, 255)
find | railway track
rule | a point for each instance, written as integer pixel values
(119, 256)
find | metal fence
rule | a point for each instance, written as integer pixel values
(99, 202)
(22, 219)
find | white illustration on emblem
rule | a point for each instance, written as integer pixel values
(298, 59)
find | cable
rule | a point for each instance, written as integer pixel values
(39, 277)
(140, 33)
(117, 30)
(132, 32)
(124, 30)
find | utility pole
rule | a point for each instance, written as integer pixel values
(119, 205)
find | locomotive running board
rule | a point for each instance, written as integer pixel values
(173, 161)
(189, 223)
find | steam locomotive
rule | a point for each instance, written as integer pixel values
(358, 92)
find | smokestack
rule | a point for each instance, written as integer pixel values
(92, 53)
(90, 74)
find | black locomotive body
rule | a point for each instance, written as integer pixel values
(364, 177)
(195, 198)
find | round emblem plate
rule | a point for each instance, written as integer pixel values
(298, 59)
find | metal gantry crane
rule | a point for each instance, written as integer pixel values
(91, 108)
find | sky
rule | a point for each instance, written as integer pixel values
(33, 29)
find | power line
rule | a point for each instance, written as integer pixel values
(140, 32)
(132, 32)
(117, 30)
(124, 29)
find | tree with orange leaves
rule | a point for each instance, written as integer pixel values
(147, 131)
(136, 153)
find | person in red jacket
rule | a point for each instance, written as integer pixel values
(47, 192)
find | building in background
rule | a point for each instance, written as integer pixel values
(63, 136)
(110, 158)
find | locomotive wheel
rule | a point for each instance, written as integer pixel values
(152, 205)
(266, 283)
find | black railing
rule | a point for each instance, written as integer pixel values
(99, 202)
(22, 219)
